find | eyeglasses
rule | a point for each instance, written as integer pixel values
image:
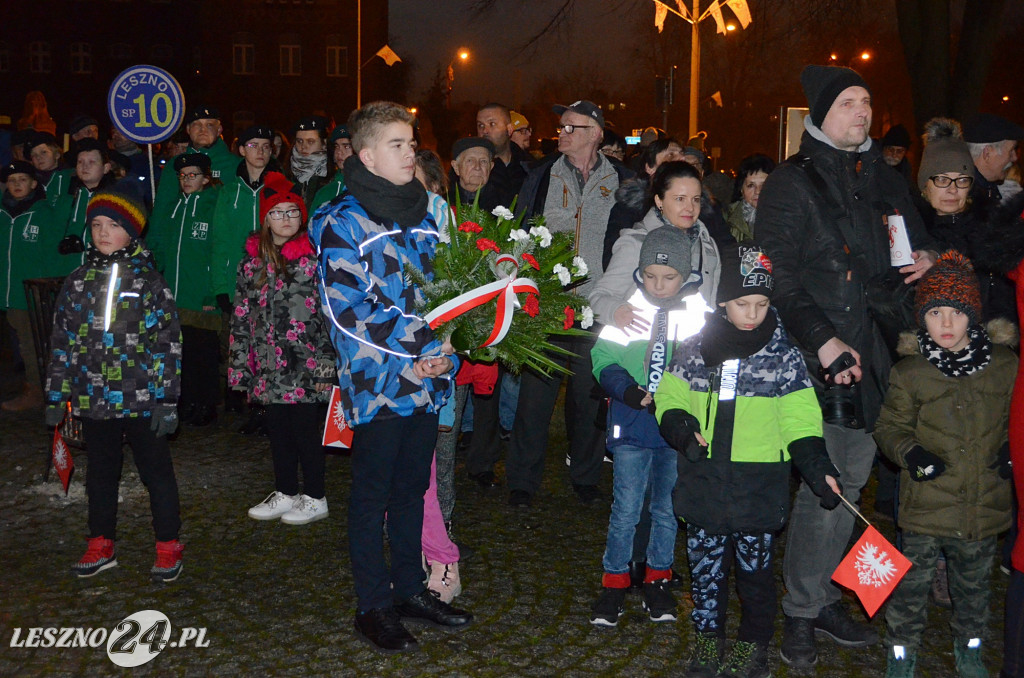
(278, 215)
(569, 129)
(253, 146)
(189, 175)
(524, 130)
(942, 181)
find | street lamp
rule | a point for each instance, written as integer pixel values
(460, 55)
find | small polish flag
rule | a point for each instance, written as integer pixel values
(62, 461)
(337, 432)
(872, 569)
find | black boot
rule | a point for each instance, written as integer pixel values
(256, 423)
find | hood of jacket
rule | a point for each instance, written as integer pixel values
(297, 247)
(632, 193)
(1000, 330)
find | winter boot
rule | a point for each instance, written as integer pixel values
(968, 658)
(705, 657)
(899, 663)
(99, 556)
(167, 566)
(746, 660)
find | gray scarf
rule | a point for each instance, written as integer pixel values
(305, 167)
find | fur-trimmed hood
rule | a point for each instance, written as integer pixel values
(295, 248)
(632, 193)
(1000, 331)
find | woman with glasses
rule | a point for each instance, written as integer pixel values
(281, 354)
(945, 179)
(181, 246)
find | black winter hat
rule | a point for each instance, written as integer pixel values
(80, 122)
(310, 123)
(17, 167)
(202, 112)
(255, 132)
(200, 160)
(822, 84)
(466, 143)
(746, 269)
(986, 128)
(37, 138)
(896, 136)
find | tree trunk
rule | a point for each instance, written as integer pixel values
(982, 21)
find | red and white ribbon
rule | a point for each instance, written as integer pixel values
(505, 289)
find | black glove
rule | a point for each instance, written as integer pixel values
(811, 458)
(678, 428)
(633, 396)
(1003, 463)
(54, 415)
(923, 465)
(165, 420)
(224, 303)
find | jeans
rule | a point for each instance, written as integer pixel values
(636, 468)
(104, 447)
(390, 474)
(817, 537)
(524, 467)
(509, 400)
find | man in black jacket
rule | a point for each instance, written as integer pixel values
(823, 218)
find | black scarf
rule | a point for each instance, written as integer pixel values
(405, 205)
(972, 358)
(721, 340)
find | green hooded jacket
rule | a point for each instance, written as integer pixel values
(181, 243)
(28, 249)
(237, 216)
(222, 162)
(328, 192)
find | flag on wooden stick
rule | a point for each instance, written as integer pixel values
(62, 461)
(872, 569)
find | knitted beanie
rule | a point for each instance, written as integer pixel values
(950, 282)
(822, 84)
(746, 269)
(944, 151)
(276, 190)
(896, 136)
(667, 246)
(120, 204)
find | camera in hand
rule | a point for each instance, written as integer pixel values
(71, 244)
(839, 402)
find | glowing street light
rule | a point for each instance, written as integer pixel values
(462, 54)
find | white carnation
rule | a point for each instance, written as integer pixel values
(542, 234)
(580, 265)
(518, 235)
(502, 212)
(443, 235)
(563, 274)
(588, 317)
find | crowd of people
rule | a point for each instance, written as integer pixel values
(747, 323)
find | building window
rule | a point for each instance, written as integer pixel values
(5, 58)
(243, 55)
(337, 58)
(39, 60)
(81, 57)
(121, 51)
(291, 59)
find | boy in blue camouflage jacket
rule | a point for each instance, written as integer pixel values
(394, 374)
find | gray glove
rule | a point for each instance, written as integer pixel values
(165, 420)
(54, 415)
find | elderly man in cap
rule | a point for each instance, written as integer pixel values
(340, 147)
(822, 218)
(992, 141)
(28, 249)
(204, 132)
(472, 162)
(574, 190)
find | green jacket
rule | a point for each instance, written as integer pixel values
(743, 484)
(181, 243)
(328, 192)
(58, 184)
(964, 421)
(28, 249)
(236, 216)
(222, 161)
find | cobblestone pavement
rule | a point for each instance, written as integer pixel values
(278, 600)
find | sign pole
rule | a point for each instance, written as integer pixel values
(152, 173)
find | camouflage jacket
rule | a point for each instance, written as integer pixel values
(280, 349)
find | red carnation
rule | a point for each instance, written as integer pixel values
(532, 305)
(531, 260)
(484, 244)
(470, 227)
(570, 317)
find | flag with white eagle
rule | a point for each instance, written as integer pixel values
(872, 569)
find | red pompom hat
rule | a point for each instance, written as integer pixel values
(276, 190)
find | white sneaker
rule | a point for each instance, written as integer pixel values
(274, 506)
(305, 510)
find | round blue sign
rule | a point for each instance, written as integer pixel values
(146, 104)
